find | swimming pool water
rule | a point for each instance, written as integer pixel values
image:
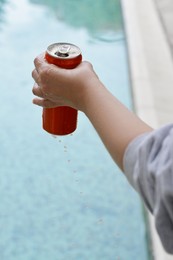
(63, 198)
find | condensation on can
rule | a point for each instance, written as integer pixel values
(61, 120)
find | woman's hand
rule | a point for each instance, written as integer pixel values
(55, 86)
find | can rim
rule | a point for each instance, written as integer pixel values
(53, 48)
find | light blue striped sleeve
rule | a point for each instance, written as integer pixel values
(148, 165)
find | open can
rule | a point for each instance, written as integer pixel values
(61, 120)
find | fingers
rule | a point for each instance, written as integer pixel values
(44, 75)
(37, 91)
(45, 103)
(39, 61)
(35, 76)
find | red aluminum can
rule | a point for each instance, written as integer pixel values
(61, 120)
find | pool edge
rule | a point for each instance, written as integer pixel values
(145, 77)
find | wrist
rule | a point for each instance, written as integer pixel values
(91, 95)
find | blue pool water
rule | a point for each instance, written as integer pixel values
(63, 198)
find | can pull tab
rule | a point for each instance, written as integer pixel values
(63, 51)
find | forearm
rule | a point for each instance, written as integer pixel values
(115, 124)
(81, 89)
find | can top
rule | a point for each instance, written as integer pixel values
(63, 50)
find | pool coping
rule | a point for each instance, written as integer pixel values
(151, 74)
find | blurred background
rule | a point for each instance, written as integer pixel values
(63, 198)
